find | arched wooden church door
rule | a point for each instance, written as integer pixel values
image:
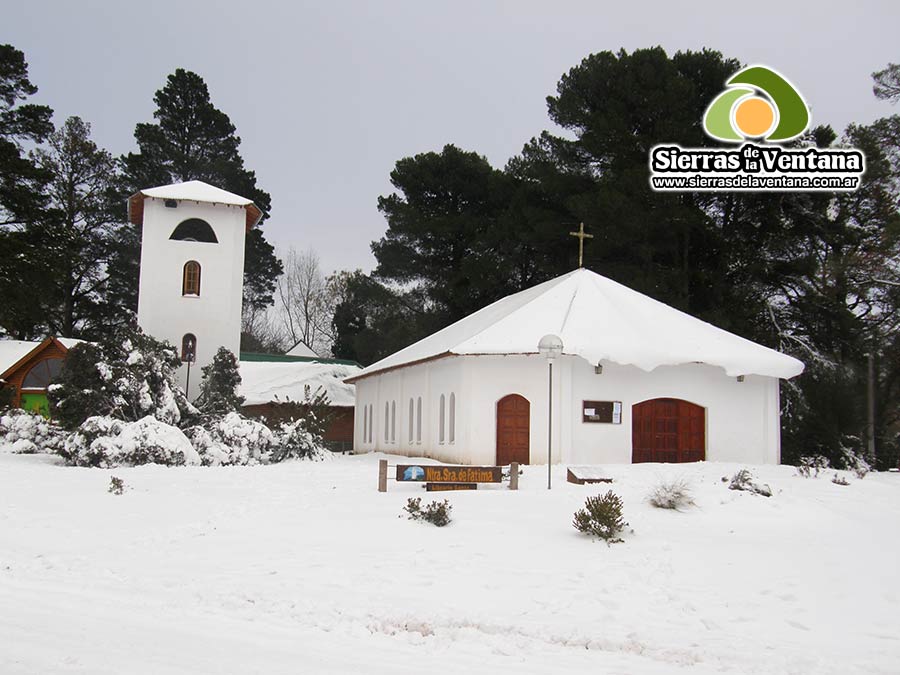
(513, 430)
(668, 430)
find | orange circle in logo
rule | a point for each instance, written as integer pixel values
(754, 116)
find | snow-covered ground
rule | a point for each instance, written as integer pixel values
(306, 568)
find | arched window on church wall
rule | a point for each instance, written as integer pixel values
(190, 280)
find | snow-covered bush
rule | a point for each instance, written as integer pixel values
(233, 440)
(810, 466)
(743, 480)
(437, 513)
(855, 462)
(674, 494)
(27, 433)
(107, 442)
(296, 441)
(601, 517)
(128, 376)
(238, 440)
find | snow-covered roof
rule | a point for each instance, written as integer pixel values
(194, 191)
(300, 349)
(599, 320)
(13, 351)
(265, 381)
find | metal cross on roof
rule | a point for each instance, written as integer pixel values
(581, 237)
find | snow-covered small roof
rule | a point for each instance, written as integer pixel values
(194, 191)
(13, 351)
(599, 320)
(265, 381)
(300, 349)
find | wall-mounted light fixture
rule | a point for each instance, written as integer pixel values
(171, 204)
(598, 369)
(740, 378)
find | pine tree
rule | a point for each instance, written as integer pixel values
(22, 199)
(75, 239)
(20, 180)
(191, 140)
(218, 390)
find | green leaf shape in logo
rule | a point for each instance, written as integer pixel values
(793, 115)
(717, 120)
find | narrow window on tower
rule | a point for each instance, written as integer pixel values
(190, 280)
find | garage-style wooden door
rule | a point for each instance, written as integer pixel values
(668, 430)
(513, 424)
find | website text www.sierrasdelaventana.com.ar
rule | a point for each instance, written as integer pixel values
(746, 182)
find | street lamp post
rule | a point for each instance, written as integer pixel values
(550, 347)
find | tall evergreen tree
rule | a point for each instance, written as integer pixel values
(22, 199)
(191, 139)
(446, 233)
(20, 180)
(77, 231)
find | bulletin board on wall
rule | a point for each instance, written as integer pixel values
(601, 412)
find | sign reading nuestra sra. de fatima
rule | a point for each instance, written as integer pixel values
(425, 473)
(759, 109)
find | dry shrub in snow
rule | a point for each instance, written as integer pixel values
(437, 513)
(674, 494)
(811, 466)
(839, 480)
(116, 485)
(855, 462)
(24, 432)
(743, 480)
(107, 442)
(601, 517)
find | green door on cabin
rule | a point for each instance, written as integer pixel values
(36, 403)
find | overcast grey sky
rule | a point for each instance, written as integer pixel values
(327, 96)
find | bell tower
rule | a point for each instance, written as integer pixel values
(192, 270)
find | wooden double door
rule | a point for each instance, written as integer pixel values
(668, 430)
(513, 430)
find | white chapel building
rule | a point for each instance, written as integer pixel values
(192, 269)
(636, 381)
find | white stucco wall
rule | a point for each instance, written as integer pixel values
(742, 418)
(214, 317)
